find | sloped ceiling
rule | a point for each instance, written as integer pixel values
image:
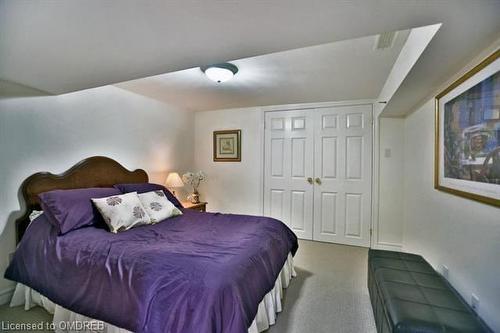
(346, 70)
(63, 46)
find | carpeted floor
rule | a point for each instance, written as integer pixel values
(329, 294)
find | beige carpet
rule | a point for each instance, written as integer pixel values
(329, 294)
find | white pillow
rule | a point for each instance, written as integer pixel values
(122, 212)
(157, 206)
(34, 214)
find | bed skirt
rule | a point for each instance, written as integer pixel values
(66, 321)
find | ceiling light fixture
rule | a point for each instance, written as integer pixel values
(220, 72)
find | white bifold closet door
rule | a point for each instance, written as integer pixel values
(318, 166)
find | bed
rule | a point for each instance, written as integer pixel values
(199, 272)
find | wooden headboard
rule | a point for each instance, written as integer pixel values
(97, 171)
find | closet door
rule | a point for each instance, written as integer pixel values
(288, 160)
(342, 171)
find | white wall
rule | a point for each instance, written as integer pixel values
(417, 42)
(51, 133)
(462, 234)
(389, 230)
(449, 230)
(233, 187)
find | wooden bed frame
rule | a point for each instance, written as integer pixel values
(96, 171)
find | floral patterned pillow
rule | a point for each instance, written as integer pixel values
(158, 206)
(122, 212)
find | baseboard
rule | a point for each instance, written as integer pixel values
(6, 295)
(388, 247)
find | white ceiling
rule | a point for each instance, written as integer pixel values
(345, 70)
(63, 46)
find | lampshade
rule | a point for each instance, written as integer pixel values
(174, 180)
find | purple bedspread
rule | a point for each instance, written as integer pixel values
(199, 272)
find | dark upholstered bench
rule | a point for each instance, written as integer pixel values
(407, 295)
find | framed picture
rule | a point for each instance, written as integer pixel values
(227, 146)
(467, 152)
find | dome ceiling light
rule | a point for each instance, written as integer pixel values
(220, 72)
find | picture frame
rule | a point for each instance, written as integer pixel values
(227, 146)
(467, 134)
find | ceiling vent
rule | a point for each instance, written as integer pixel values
(385, 40)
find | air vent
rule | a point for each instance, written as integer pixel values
(385, 40)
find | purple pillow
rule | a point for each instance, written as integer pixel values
(72, 209)
(148, 187)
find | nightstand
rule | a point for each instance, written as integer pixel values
(201, 206)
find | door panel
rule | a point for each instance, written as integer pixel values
(297, 217)
(288, 163)
(354, 157)
(277, 201)
(277, 157)
(298, 157)
(328, 213)
(353, 214)
(328, 157)
(342, 159)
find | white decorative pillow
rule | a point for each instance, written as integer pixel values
(158, 206)
(122, 212)
(34, 214)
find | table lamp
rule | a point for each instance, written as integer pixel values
(174, 181)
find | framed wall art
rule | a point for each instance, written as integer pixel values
(227, 146)
(467, 152)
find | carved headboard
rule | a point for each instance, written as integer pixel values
(97, 171)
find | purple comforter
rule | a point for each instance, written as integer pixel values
(199, 272)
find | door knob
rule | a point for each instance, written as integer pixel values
(309, 180)
(318, 181)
